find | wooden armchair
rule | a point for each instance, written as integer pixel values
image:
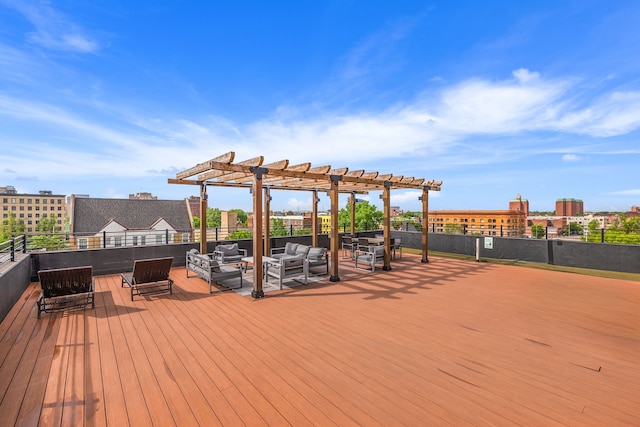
(65, 288)
(149, 276)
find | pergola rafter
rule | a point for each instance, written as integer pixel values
(252, 173)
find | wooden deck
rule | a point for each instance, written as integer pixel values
(448, 342)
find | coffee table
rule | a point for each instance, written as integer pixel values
(249, 260)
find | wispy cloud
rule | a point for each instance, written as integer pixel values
(635, 192)
(52, 29)
(437, 131)
(570, 158)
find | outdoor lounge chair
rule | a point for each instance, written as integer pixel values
(149, 276)
(65, 288)
(229, 253)
(349, 246)
(208, 269)
(370, 257)
(286, 268)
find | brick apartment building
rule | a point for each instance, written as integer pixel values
(31, 208)
(508, 223)
(569, 207)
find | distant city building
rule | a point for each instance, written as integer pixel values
(142, 196)
(325, 223)
(194, 205)
(31, 208)
(508, 223)
(519, 205)
(395, 210)
(569, 207)
(103, 223)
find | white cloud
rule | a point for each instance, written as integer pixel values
(570, 158)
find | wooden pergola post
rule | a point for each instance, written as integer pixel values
(314, 218)
(335, 245)
(257, 291)
(203, 218)
(425, 224)
(386, 203)
(353, 214)
(267, 221)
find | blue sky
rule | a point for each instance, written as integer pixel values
(494, 98)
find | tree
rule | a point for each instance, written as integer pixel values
(278, 228)
(11, 227)
(624, 231)
(240, 234)
(242, 216)
(594, 231)
(575, 228)
(47, 225)
(453, 229)
(368, 217)
(537, 231)
(213, 217)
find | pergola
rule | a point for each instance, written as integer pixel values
(262, 178)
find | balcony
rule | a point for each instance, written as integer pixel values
(445, 342)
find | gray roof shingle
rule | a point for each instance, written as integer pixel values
(92, 214)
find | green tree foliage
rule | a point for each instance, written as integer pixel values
(593, 231)
(240, 234)
(625, 231)
(11, 227)
(453, 229)
(242, 216)
(302, 231)
(368, 217)
(213, 217)
(537, 231)
(196, 222)
(575, 228)
(277, 228)
(47, 225)
(49, 242)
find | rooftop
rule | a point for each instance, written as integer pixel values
(448, 342)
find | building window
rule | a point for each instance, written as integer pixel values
(185, 237)
(143, 240)
(135, 240)
(159, 239)
(37, 201)
(21, 200)
(118, 241)
(82, 244)
(44, 201)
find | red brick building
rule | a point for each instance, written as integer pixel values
(519, 205)
(569, 207)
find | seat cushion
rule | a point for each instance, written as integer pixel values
(290, 248)
(302, 250)
(228, 250)
(316, 254)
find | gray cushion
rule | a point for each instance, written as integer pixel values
(290, 248)
(302, 250)
(316, 254)
(228, 249)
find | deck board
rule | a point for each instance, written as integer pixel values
(448, 342)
